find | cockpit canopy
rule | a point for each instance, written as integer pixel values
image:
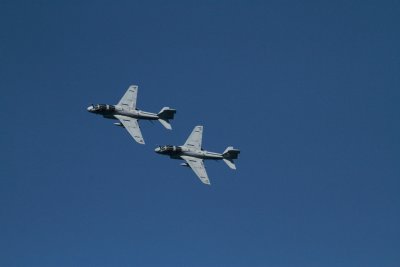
(102, 107)
(166, 148)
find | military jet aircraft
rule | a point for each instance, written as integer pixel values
(128, 115)
(193, 154)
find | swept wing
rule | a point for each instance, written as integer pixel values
(129, 98)
(132, 126)
(197, 165)
(195, 138)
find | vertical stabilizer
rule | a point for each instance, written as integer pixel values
(165, 115)
(229, 155)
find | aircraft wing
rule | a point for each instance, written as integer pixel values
(194, 140)
(132, 126)
(129, 98)
(197, 165)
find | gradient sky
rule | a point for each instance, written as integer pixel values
(308, 90)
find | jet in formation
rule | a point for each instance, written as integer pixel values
(128, 115)
(193, 154)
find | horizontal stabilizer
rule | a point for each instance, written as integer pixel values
(166, 124)
(230, 164)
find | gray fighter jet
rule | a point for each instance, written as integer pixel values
(128, 115)
(193, 154)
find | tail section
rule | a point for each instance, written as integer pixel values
(229, 155)
(166, 124)
(230, 163)
(165, 115)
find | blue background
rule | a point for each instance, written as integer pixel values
(308, 90)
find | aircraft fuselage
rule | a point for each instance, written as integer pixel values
(176, 152)
(109, 112)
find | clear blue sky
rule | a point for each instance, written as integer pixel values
(308, 90)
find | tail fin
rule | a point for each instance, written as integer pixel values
(165, 115)
(229, 155)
